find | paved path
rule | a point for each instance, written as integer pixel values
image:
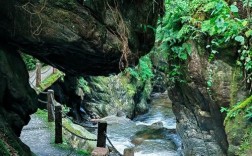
(40, 139)
(36, 134)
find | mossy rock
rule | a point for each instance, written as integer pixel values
(75, 141)
(239, 128)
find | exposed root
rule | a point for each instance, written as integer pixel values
(34, 12)
(123, 33)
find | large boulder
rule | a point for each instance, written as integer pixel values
(91, 37)
(100, 96)
(197, 102)
(17, 102)
(108, 95)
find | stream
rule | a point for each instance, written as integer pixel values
(151, 134)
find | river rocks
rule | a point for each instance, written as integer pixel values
(113, 119)
(197, 105)
(157, 125)
(17, 102)
(137, 141)
(81, 37)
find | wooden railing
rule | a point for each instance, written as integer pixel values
(37, 75)
(55, 115)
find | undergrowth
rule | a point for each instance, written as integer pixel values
(213, 23)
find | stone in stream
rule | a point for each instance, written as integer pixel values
(157, 125)
(119, 118)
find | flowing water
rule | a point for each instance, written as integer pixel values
(151, 134)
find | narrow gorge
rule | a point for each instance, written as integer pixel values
(180, 71)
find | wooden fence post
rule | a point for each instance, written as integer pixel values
(54, 70)
(38, 74)
(58, 124)
(50, 95)
(128, 152)
(101, 137)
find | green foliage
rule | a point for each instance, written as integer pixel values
(143, 71)
(245, 105)
(30, 61)
(171, 38)
(83, 84)
(215, 20)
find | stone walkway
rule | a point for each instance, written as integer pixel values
(41, 140)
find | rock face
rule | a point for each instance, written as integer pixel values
(102, 96)
(76, 142)
(17, 102)
(197, 105)
(117, 93)
(90, 37)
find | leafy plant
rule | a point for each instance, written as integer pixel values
(29, 61)
(83, 84)
(214, 19)
(143, 71)
(237, 108)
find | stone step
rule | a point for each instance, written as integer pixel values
(100, 151)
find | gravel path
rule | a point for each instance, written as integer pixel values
(40, 139)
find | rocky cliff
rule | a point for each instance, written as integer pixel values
(81, 37)
(17, 102)
(91, 37)
(198, 101)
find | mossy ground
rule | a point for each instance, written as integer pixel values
(239, 128)
(49, 81)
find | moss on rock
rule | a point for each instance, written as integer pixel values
(49, 81)
(75, 141)
(239, 128)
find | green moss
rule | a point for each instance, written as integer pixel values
(237, 108)
(42, 114)
(245, 147)
(234, 86)
(83, 84)
(131, 89)
(3, 149)
(49, 81)
(239, 128)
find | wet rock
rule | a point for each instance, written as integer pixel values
(81, 37)
(75, 141)
(113, 119)
(137, 141)
(197, 106)
(157, 125)
(117, 93)
(17, 102)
